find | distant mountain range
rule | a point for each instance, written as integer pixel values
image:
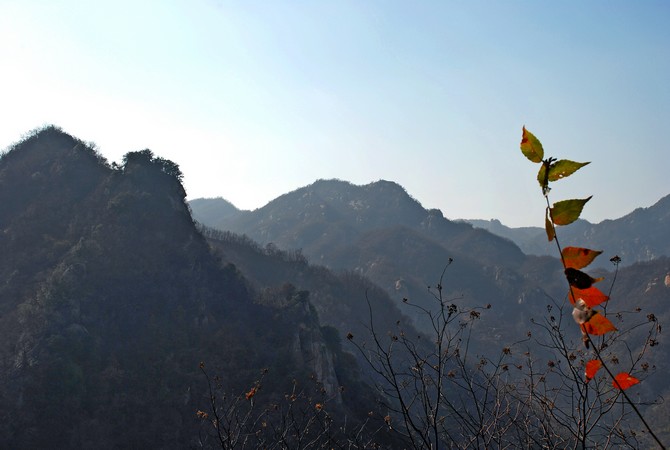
(642, 235)
(382, 233)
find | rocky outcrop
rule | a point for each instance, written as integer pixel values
(309, 346)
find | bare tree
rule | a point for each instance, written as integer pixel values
(436, 393)
(305, 417)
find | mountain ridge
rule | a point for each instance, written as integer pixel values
(639, 236)
(380, 232)
(112, 299)
(403, 248)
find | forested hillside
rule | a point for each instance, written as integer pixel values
(111, 299)
(380, 232)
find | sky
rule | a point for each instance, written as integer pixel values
(257, 98)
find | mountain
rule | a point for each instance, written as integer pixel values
(323, 216)
(380, 232)
(125, 324)
(645, 289)
(339, 298)
(416, 255)
(214, 210)
(642, 235)
(531, 240)
(112, 301)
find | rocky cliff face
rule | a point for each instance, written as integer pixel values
(310, 349)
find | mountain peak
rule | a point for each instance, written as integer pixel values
(214, 211)
(342, 186)
(100, 265)
(45, 145)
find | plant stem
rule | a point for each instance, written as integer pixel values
(595, 348)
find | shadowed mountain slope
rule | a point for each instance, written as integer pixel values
(380, 232)
(320, 217)
(111, 297)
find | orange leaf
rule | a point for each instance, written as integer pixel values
(598, 325)
(549, 228)
(249, 395)
(578, 258)
(591, 369)
(591, 296)
(624, 380)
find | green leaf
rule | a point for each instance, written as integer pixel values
(558, 170)
(531, 146)
(567, 211)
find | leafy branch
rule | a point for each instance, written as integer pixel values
(583, 295)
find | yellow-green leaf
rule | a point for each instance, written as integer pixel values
(542, 177)
(548, 227)
(558, 170)
(567, 211)
(564, 168)
(531, 146)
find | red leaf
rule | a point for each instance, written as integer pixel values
(591, 369)
(624, 380)
(598, 325)
(591, 296)
(578, 258)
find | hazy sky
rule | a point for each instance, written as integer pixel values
(254, 99)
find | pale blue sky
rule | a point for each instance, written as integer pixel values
(257, 98)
